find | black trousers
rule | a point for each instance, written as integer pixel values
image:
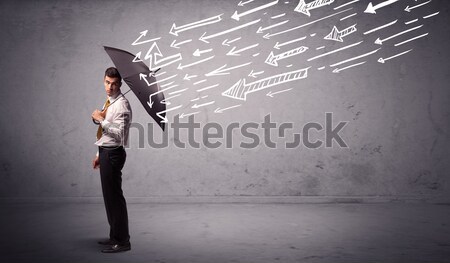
(112, 161)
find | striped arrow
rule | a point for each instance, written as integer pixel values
(272, 59)
(304, 8)
(240, 89)
(337, 35)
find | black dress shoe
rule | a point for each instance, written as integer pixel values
(117, 248)
(106, 242)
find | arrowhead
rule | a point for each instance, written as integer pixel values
(407, 9)
(235, 16)
(195, 106)
(225, 43)
(186, 77)
(370, 9)
(182, 115)
(138, 55)
(379, 41)
(240, 3)
(202, 38)
(336, 70)
(150, 103)
(174, 45)
(266, 36)
(231, 91)
(270, 94)
(381, 60)
(232, 53)
(142, 75)
(216, 72)
(197, 53)
(218, 110)
(334, 35)
(277, 45)
(180, 67)
(173, 30)
(271, 60)
(301, 8)
(259, 31)
(144, 33)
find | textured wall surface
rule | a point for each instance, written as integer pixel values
(398, 131)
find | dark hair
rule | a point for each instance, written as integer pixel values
(112, 72)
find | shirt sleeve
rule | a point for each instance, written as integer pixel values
(120, 123)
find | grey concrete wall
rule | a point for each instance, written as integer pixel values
(398, 131)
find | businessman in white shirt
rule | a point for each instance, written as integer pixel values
(114, 123)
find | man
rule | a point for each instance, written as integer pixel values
(112, 136)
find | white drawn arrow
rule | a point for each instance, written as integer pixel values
(371, 9)
(204, 38)
(225, 71)
(278, 45)
(156, 62)
(240, 89)
(198, 52)
(270, 94)
(244, 3)
(304, 8)
(219, 110)
(268, 36)
(273, 59)
(150, 101)
(237, 16)
(187, 114)
(383, 60)
(165, 100)
(175, 30)
(234, 52)
(196, 106)
(408, 9)
(337, 35)
(164, 119)
(261, 29)
(143, 34)
(227, 42)
(189, 77)
(380, 41)
(337, 70)
(194, 63)
(255, 74)
(176, 45)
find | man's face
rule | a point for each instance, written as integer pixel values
(112, 85)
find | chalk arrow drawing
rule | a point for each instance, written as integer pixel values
(188, 114)
(304, 8)
(176, 45)
(337, 70)
(164, 119)
(270, 94)
(337, 35)
(380, 41)
(175, 30)
(143, 34)
(234, 52)
(189, 77)
(219, 110)
(371, 9)
(198, 52)
(262, 29)
(383, 60)
(278, 44)
(156, 59)
(227, 42)
(273, 59)
(408, 9)
(237, 16)
(240, 89)
(255, 74)
(223, 70)
(205, 38)
(244, 3)
(196, 106)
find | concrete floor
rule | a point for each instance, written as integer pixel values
(214, 233)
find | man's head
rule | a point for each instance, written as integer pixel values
(112, 81)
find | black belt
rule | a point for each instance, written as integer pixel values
(111, 147)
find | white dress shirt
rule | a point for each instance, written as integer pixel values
(116, 124)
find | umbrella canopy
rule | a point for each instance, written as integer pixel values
(131, 73)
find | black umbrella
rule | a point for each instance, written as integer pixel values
(137, 75)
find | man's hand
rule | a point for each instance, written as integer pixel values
(98, 115)
(95, 162)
